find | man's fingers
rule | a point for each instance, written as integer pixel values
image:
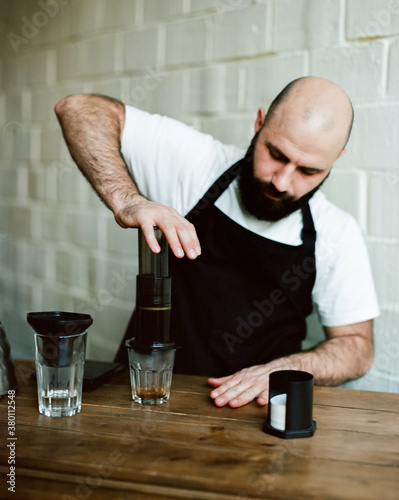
(179, 232)
(182, 238)
(241, 388)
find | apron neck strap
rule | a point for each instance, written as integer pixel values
(217, 188)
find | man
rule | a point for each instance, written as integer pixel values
(248, 228)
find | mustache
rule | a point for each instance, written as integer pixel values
(270, 189)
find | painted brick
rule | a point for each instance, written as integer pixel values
(86, 230)
(58, 25)
(348, 190)
(375, 129)
(21, 222)
(39, 261)
(384, 257)
(2, 109)
(110, 323)
(38, 68)
(119, 12)
(211, 63)
(371, 18)
(359, 70)
(15, 140)
(148, 91)
(387, 350)
(12, 77)
(54, 225)
(100, 56)
(140, 49)
(84, 16)
(230, 130)
(50, 144)
(116, 276)
(90, 198)
(383, 197)
(21, 147)
(43, 102)
(113, 88)
(186, 42)
(253, 26)
(71, 268)
(9, 255)
(267, 76)
(393, 73)
(14, 109)
(9, 182)
(70, 61)
(299, 24)
(215, 89)
(38, 184)
(56, 298)
(202, 5)
(69, 187)
(155, 10)
(119, 240)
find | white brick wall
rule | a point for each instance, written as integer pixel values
(210, 63)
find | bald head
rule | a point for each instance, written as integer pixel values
(319, 105)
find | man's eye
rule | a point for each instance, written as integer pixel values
(275, 156)
(308, 171)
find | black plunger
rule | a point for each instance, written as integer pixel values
(153, 296)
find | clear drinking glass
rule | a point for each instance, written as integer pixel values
(59, 370)
(151, 374)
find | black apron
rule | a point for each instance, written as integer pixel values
(244, 301)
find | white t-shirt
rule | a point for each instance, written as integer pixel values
(174, 164)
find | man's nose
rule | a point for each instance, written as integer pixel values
(282, 177)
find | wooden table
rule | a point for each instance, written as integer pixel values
(189, 449)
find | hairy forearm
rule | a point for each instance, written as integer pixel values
(332, 362)
(347, 354)
(92, 128)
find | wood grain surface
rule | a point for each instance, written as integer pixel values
(190, 449)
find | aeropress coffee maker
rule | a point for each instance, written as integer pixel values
(152, 352)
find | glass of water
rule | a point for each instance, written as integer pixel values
(60, 351)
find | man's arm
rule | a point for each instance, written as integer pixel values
(92, 126)
(346, 354)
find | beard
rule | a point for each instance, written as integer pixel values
(253, 193)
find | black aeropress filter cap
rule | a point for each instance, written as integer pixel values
(56, 329)
(59, 323)
(138, 346)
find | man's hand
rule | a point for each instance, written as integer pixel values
(179, 232)
(347, 354)
(92, 126)
(242, 387)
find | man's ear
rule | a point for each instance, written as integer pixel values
(260, 118)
